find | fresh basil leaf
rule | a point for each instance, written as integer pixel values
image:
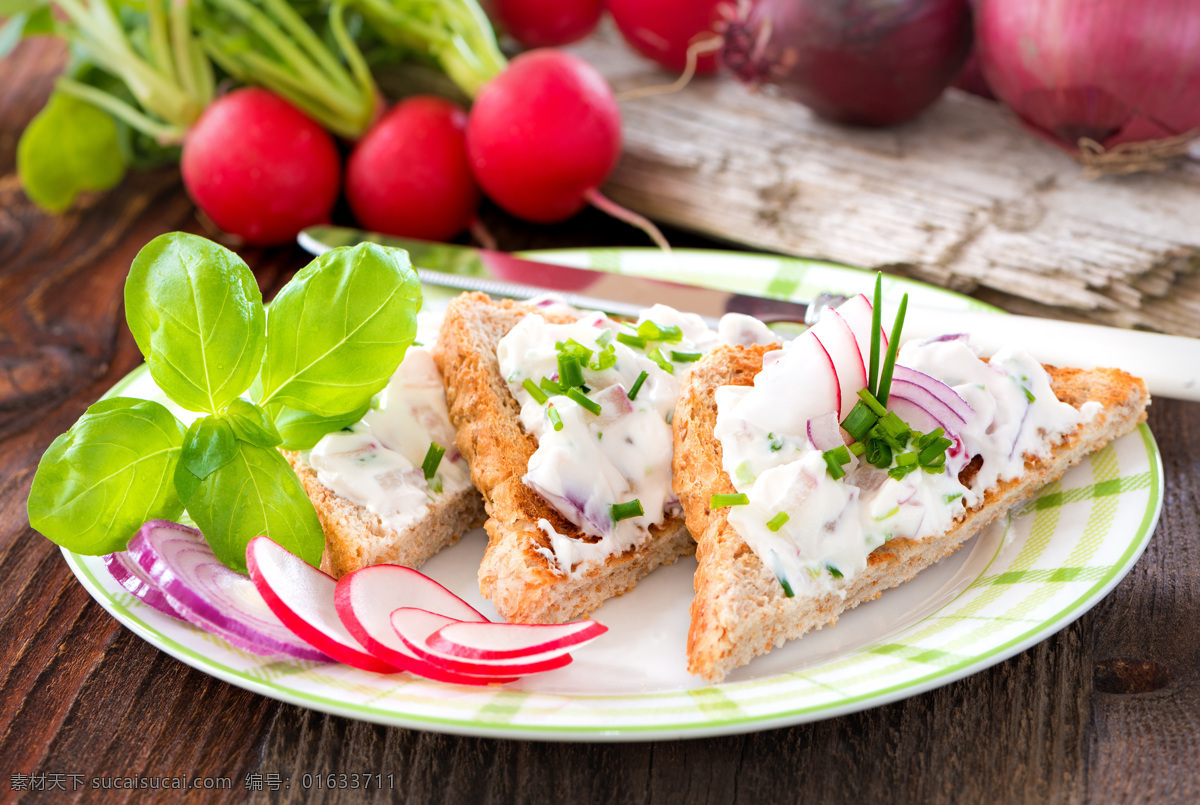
(209, 445)
(69, 147)
(196, 313)
(251, 423)
(256, 493)
(301, 430)
(339, 329)
(106, 476)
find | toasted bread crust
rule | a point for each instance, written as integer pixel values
(740, 611)
(515, 575)
(356, 538)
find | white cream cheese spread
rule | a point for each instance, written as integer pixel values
(605, 444)
(377, 462)
(811, 529)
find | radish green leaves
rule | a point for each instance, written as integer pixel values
(332, 339)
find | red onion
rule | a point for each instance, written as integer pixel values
(1112, 71)
(864, 62)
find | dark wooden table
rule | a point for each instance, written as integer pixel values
(1108, 710)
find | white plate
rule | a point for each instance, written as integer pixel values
(1015, 584)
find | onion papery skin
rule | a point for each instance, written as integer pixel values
(859, 62)
(1113, 71)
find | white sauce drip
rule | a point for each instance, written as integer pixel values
(376, 462)
(832, 526)
(596, 461)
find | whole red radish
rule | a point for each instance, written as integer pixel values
(546, 23)
(543, 135)
(260, 168)
(409, 175)
(664, 30)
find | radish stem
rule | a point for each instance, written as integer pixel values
(630, 217)
(699, 48)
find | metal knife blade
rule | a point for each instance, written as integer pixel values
(500, 274)
(1169, 364)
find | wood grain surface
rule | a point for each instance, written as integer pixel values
(1108, 710)
(961, 196)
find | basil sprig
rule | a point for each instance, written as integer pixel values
(332, 339)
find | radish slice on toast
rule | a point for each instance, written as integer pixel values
(210, 595)
(415, 626)
(301, 596)
(501, 641)
(366, 598)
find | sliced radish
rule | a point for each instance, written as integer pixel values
(500, 641)
(839, 341)
(415, 626)
(210, 595)
(857, 313)
(804, 376)
(838, 383)
(301, 596)
(137, 583)
(365, 600)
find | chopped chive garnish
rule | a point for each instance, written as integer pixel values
(573, 347)
(605, 358)
(787, 588)
(840, 454)
(871, 402)
(899, 472)
(605, 338)
(535, 392)
(889, 362)
(570, 373)
(664, 364)
(722, 501)
(860, 420)
(892, 429)
(433, 457)
(623, 511)
(857, 448)
(951, 497)
(579, 397)
(631, 340)
(777, 522)
(650, 331)
(637, 385)
(550, 387)
(878, 454)
(876, 329)
(435, 484)
(555, 419)
(833, 571)
(906, 460)
(1028, 394)
(685, 357)
(774, 442)
(743, 473)
(835, 459)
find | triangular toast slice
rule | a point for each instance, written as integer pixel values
(516, 573)
(740, 609)
(419, 523)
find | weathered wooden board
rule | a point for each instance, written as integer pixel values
(962, 197)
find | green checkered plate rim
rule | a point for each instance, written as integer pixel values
(1014, 585)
